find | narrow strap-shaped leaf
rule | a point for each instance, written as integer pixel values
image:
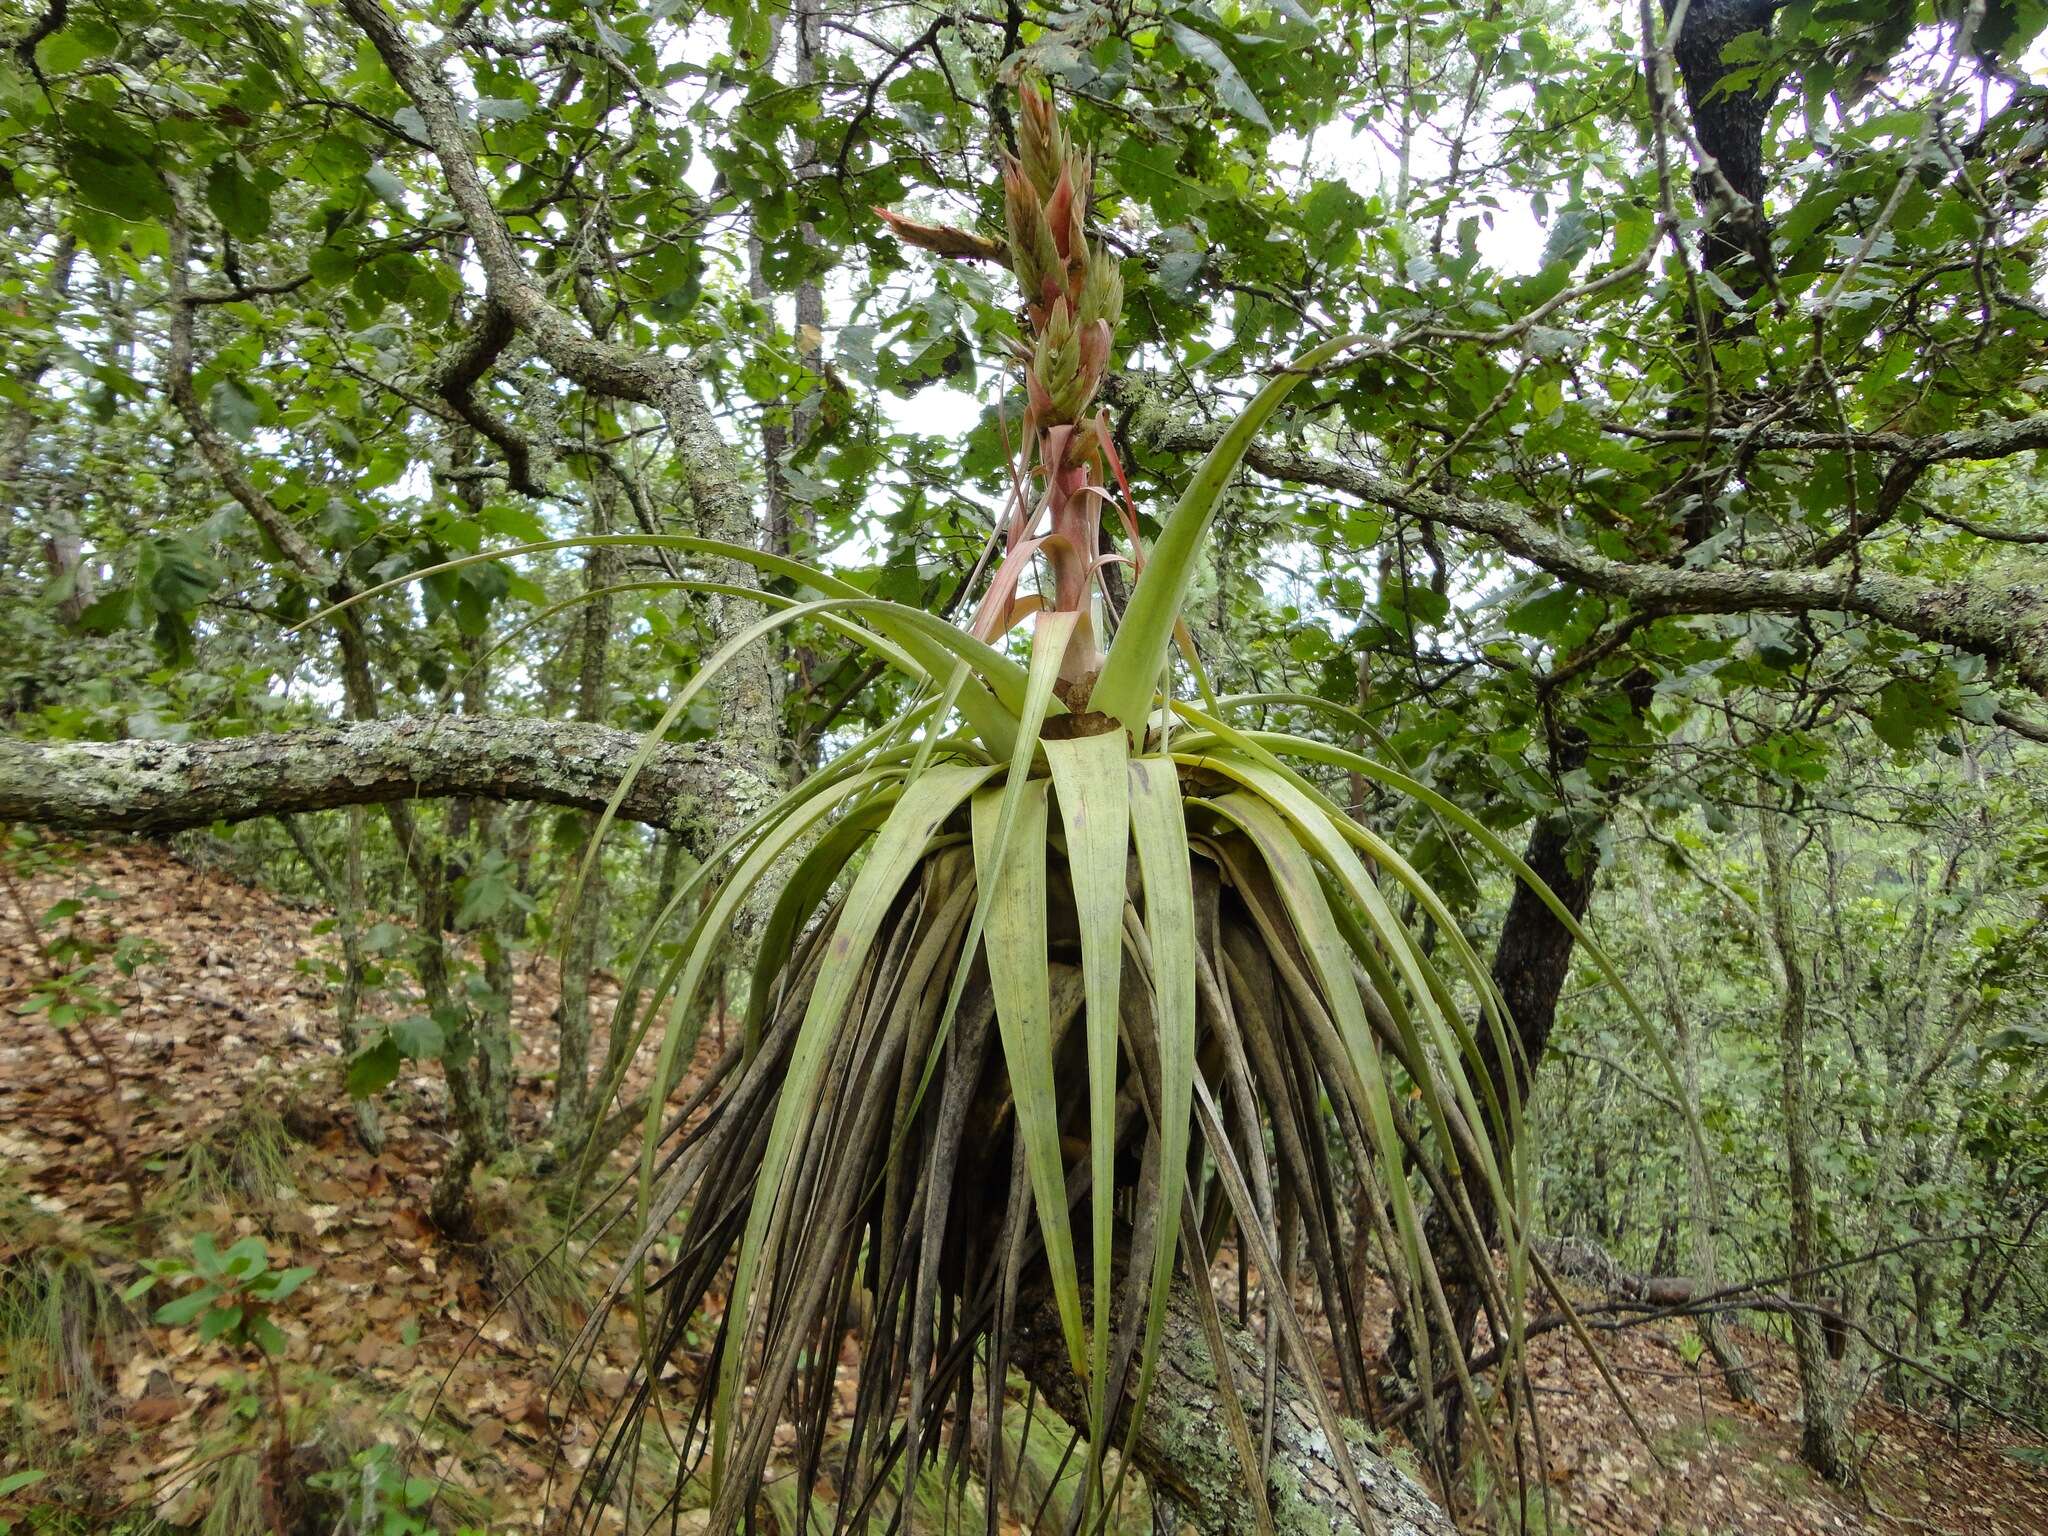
(806, 886)
(1019, 974)
(1294, 876)
(1093, 780)
(1159, 829)
(1339, 757)
(928, 640)
(899, 845)
(1259, 1249)
(1328, 831)
(1315, 826)
(868, 753)
(1048, 649)
(704, 944)
(1124, 690)
(651, 742)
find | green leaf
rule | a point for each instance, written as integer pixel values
(268, 1336)
(374, 1068)
(1231, 89)
(242, 207)
(1019, 973)
(234, 409)
(176, 1313)
(1908, 707)
(418, 1037)
(14, 1482)
(217, 1321)
(924, 809)
(247, 1257)
(1159, 829)
(380, 938)
(385, 182)
(1138, 653)
(1092, 775)
(287, 1281)
(119, 180)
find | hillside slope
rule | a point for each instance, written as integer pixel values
(232, 1122)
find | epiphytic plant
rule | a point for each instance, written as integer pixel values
(1053, 940)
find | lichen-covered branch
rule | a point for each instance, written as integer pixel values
(2004, 622)
(162, 786)
(750, 700)
(1182, 1449)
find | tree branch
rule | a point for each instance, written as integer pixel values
(1180, 1447)
(2003, 622)
(749, 704)
(160, 786)
(455, 379)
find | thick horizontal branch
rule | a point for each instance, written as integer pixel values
(2004, 622)
(1182, 1449)
(1999, 440)
(161, 786)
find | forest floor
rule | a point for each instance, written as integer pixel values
(233, 1123)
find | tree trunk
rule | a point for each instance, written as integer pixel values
(1703, 1207)
(570, 1121)
(1182, 1449)
(1824, 1443)
(346, 899)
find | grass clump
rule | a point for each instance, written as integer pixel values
(532, 1263)
(245, 1158)
(62, 1324)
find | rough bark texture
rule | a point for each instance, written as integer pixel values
(1703, 1204)
(2005, 622)
(1183, 1450)
(161, 786)
(1824, 1442)
(570, 1120)
(1729, 128)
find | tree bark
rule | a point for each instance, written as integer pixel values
(346, 898)
(570, 1119)
(1824, 1442)
(1704, 1207)
(162, 786)
(1182, 1449)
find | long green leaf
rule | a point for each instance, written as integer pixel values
(899, 845)
(821, 867)
(1159, 829)
(697, 682)
(1093, 780)
(926, 639)
(1315, 825)
(1340, 757)
(1019, 974)
(1124, 690)
(1328, 829)
(994, 839)
(1294, 876)
(706, 941)
(1048, 649)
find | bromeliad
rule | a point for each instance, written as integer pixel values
(1053, 940)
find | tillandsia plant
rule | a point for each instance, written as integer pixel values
(1063, 980)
